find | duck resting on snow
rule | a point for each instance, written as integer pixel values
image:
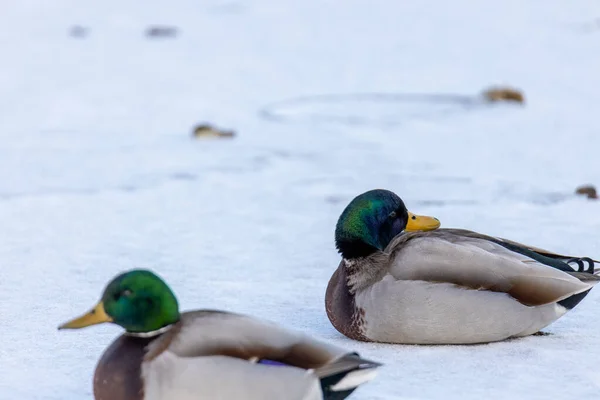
(168, 355)
(403, 280)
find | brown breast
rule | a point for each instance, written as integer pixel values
(118, 374)
(341, 306)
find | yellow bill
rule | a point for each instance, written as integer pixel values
(421, 223)
(96, 316)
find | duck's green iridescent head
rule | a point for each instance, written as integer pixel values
(372, 220)
(137, 300)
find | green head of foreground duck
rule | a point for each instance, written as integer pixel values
(403, 280)
(165, 354)
(139, 301)
(372, 220)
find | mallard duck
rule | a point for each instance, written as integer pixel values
(168, 355)
(403, 280)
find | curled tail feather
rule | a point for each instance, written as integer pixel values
(342, 376)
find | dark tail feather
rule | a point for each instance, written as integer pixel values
(341, 377)
(558, 261)
(570, 302)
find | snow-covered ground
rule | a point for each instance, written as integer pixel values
(98, 172)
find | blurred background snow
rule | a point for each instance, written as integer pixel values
(99, 173)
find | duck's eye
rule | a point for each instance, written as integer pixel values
(392, 215)
(123, 293)
(414, 217)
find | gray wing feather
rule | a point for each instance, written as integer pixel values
(469, 260)
(215, 333)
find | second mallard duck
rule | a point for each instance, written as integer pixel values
(403, 280)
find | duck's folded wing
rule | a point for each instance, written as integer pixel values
(212, 354)
(175, 377)
(582, 264)
(538, 250)
(563, 262)
(212, 333)
(477, 263)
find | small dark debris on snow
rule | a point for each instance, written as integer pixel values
(78, 31)
(207, 130)
(499, 93)
(334, 199)
(587, 190)
(161, 31)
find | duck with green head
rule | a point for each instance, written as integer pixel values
(403, 280)
(168, 355)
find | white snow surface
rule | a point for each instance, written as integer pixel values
(99, 173)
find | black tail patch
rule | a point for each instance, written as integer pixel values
(330, 395)
(328, 382)
(334, 373)
(570, 302)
